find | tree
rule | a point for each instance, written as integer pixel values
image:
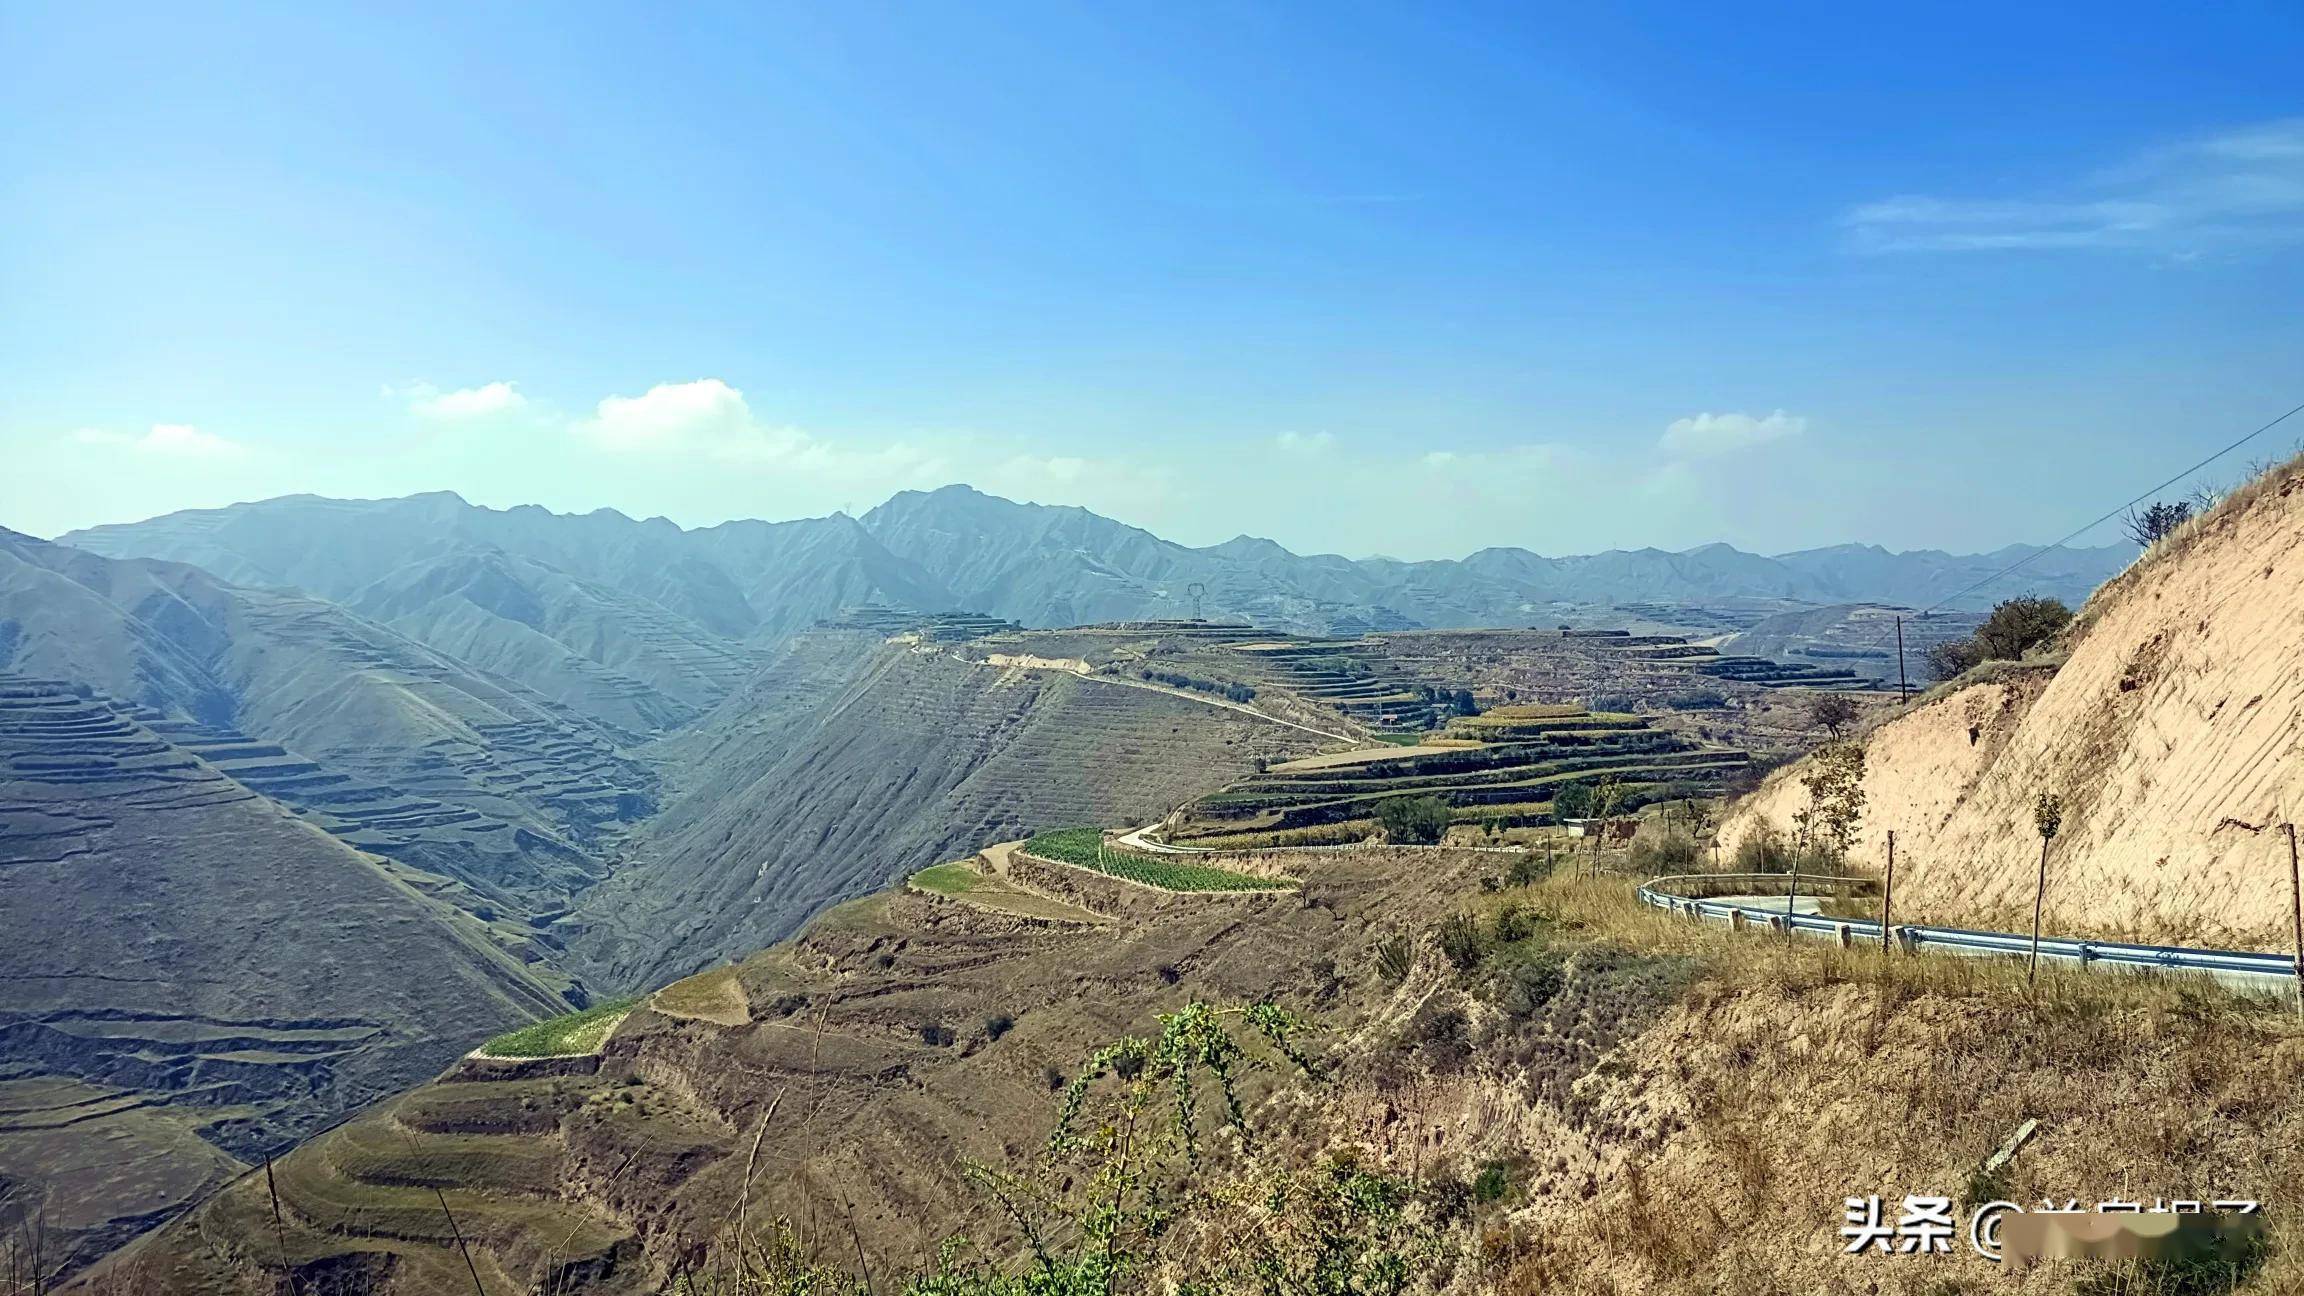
(1572, 801)
(1833, 712)
(1608, 797)
(1952, 658)
(2019, 625)
(1420, 820)
(2157, 522)
(1835, 786)
(2047, 817)
(1464, 703)
(2016, 627)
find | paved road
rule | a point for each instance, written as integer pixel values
(2241, 971)
(1186, 694)
(1806, 904)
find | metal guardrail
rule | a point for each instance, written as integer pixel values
(1916, 937)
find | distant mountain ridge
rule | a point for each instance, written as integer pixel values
(957, 548)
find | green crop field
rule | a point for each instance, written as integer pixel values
(947, 879)
(576, 1032)
(1084, 847)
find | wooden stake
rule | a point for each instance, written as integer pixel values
(2039, 895)
(1888, 891)
(2296, 906)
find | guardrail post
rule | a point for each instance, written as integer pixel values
(1736, 920)
(1845, 936)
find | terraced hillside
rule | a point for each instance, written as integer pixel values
(918, 754)
(1363, 687)
(1502, 767)
(1616, 668)
(844, 1076)
(507, 880)
(303, 673)
(252, 975)
(376, 704)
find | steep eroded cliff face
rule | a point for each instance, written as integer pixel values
(2174, 731)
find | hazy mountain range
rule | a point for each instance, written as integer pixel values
(433, 564)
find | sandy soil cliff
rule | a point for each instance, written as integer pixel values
(2172, 731)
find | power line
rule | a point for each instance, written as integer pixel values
(2115, 512)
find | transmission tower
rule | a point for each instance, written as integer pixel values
(1196, 590)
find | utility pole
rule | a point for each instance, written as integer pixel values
(1903, 686)
(1888, 891)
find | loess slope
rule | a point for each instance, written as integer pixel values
(194, 975)
(2172, 730)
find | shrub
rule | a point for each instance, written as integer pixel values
(1528, 986)
(1054, 1078)
(1441, 1036)
(1418, 820)
(1697, 700)
(997, 1025)
(1493, 1181)
(1394, 957)
(937, 1034)
(1527, 869)
(1766, 850)
(1459, 936)
(2157, 522)
(1512, 924)
(1674, 852)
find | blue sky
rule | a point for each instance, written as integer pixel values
(1401, 279)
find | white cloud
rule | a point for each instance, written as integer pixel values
(708, 419)
(177, 439)
(2243, 187)
(470, 403)
(707, 415)
(1711, 434)
(1308, 443)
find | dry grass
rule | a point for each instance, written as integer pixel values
(1794, 1073)
(1609, 909)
